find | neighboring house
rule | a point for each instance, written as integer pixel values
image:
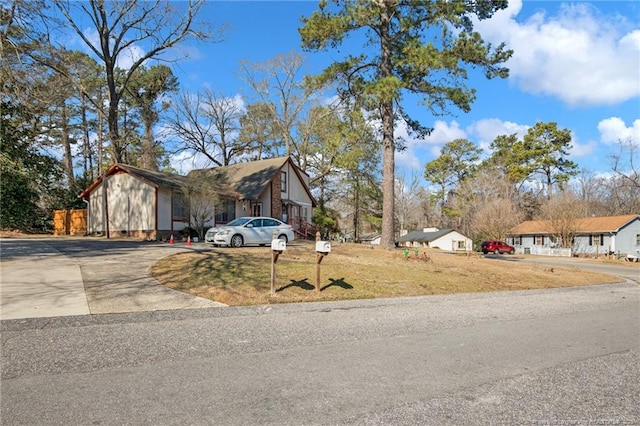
(444, 239)
(592, 236)
(153, 205)
(371, 239)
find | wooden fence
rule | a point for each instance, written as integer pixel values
(70, 222)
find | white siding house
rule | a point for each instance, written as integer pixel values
(152, 205)
(618, 235)
(443, 239)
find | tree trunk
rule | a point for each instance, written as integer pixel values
(66, 143)
(387, 239)
(149, 158)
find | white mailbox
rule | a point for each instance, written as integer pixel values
(278, 245)
(323, 247)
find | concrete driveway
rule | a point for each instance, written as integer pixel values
(49, 277)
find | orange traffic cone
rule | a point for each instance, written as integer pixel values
(171, 239)
(189, 240)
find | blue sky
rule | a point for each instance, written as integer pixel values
(575, 63)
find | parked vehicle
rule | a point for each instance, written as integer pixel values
(249, 230)
(497, 247)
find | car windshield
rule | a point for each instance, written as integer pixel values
(239, 221)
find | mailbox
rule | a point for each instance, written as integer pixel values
(323, 247)
(278, 245)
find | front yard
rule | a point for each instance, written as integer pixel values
(353, 271)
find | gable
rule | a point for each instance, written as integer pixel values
(152, 178)
(248, 181)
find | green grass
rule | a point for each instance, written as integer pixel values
(352, 271)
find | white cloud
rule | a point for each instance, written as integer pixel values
(184, 162)
(486, 130)
(125, 59)
(579, 55)
(614, 129)
(444, 132)
(581, 149)
(419, 152)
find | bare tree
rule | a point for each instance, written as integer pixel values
(278, 86)
(155, 26)
(208, 124)
(407, 201)
(203, 189)
(562, 215)
(624, 188)
(493, 206)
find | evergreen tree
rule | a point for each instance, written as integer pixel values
(399, 56)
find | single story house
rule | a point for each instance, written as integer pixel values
(444, 239)
(591, 236)
(131, 201)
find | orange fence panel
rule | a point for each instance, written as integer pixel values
(70, 222)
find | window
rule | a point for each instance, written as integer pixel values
(539, 240)
(225, 211)
(256, 209)
(283, 181)
(180, 206)
(256, 223)
(461, 245)
(596, 240)
(638, 239)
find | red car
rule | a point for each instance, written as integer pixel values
(497, 247)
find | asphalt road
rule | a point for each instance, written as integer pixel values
(532, 357)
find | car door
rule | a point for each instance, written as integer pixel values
(270, 226)
(253, 232)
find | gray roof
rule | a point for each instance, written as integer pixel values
(169, 180)
(248, 180)
(424, 237)
(158, 179)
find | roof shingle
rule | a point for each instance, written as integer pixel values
(584, 225)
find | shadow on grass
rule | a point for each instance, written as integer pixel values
(303, 284)
(338, 283)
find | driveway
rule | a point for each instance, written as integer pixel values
(58, 276)
(630, 271)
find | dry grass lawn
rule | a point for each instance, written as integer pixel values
(353, 271)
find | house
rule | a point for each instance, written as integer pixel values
(590, 236)
(131, 201)
(444, 239)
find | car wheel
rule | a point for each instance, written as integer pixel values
(496, 251)
(283, 238)
(237, 241)
(484, 252)
(512, 252)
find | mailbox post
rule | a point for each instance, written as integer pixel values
(323, 248)
(277, 247)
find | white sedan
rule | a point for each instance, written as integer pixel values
(249, 230)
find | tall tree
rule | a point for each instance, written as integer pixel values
(399, 57)
(545, 151)
(155, 26)
(146, 89)
(456, 162)
(257, 133)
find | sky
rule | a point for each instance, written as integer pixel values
(574, 63)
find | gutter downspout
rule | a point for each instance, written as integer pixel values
(105, 200)
(88, 215)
